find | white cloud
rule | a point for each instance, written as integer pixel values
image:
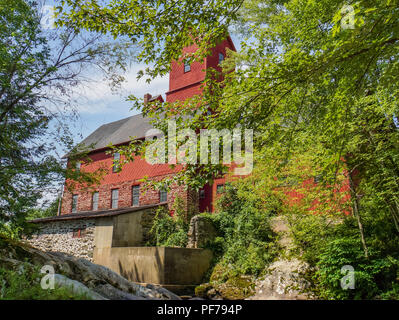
(97, 97)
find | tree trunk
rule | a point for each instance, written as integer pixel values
(355, 206)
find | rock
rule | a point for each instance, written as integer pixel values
(200, 232)
(285, 279)
(76, 287)
(80, 273)
(116, 294)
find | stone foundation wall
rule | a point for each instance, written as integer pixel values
(200, 232)
(59, 236)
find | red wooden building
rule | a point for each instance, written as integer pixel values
(122, 189)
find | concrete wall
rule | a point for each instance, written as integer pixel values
(156, 265)
(128, 229)
(132, 229)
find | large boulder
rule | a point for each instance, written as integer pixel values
(96, 281)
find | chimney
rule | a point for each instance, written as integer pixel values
(147, 97)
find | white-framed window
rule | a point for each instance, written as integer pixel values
(117, 158)
(163, 195)
(136, 196)
(74, 203)
(95, 201)
(221, 57)
(114, 198)
(187, 67)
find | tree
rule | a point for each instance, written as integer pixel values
(161, 28)
(39, 71)
(308, 67)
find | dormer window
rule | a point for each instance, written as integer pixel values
(221, 57)
(187, 67)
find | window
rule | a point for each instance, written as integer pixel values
(95, 201)
(74, 203)
(78, 233)
(202, 194)
(117, 157)
(318, 178)
(114, 198)
(219, 188)
(163, 196)
(135, 195)
(221, 57)
(187, 67)
(78, 166)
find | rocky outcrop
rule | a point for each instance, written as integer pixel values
(284, 281)
(285, 278)
(80, 275)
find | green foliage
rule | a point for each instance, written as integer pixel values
(328, 244)
(160, 29)
(11, 231)
(24, 284)
(40, 69)
(50, 211)
(245, 242)
(168, 231)
(373, 276)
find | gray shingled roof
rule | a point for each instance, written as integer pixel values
(118, 132)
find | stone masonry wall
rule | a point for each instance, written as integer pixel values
(200, 232)
(58, 236)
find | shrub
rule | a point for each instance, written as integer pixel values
(372, 276)
(245, 243)
(168, 231)
(329, 243)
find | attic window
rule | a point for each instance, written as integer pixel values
(221, 57)
(187, 67)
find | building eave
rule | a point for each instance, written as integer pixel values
(95, 214)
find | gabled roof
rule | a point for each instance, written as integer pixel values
(118, 132)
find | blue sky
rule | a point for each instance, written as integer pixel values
(98, 105)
